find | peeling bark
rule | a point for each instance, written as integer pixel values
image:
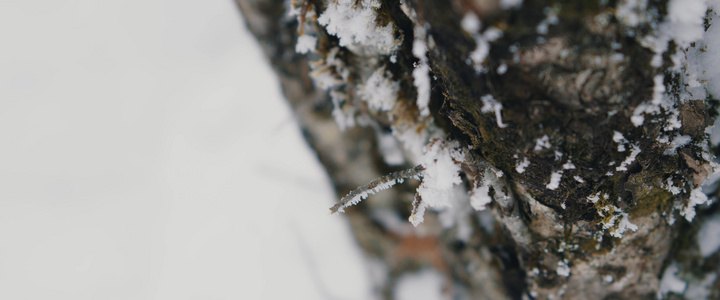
(558, 118)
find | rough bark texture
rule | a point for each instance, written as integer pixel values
(564, 89)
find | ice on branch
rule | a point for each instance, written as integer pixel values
(555, 178)
(380, 184)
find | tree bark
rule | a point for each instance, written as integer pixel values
(575, 118)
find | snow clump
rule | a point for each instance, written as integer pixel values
(442, 172)
(379, 91)
(353, 22)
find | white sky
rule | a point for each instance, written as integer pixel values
(147, 154)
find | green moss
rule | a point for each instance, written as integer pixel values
(659, 200)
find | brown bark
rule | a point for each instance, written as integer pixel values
(574, 84)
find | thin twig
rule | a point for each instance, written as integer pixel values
(382, 183)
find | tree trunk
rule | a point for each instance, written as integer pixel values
(560, 146)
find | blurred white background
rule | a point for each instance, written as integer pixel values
(147, 154)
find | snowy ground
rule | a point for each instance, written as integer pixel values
(147, 154)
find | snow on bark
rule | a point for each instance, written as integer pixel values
(441, 163)
(354, 23)
(306, 43)
(421, 72)
(379, 90)
(491, 105)
(697, 197)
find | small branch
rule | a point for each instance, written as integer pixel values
(380, 184)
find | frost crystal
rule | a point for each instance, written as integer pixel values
(379, 91)
(630, 159)
(568, 166)
(380, 184)
(620, 139)
(491, 105)
(470, 23)
(653, 107)
(563, 269)
(421, 73)
(305, 43)
(353, 22)
(441, 174)
(594, 198)
(554, 180)
(480, 196)
(542, 143)
(623, 219)
(677, 142)
(697, 197)
(521, 166)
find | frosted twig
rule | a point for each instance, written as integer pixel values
(382, 183)
(418, 210)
